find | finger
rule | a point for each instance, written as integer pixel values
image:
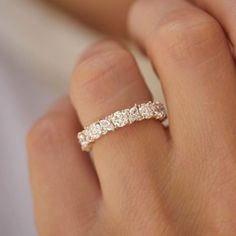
(64, 183)
(107, 80)
(190, 51)
(225, 12)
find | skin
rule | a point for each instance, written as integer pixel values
(105, 15)
(145, 179)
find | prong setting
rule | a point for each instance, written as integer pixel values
(119, 119)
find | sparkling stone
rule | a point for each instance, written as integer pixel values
(119, 119)
(82, 139)
(125, 114)
(155, 107)
(162, 115)
(106, 125)
(87, 134)
(145, 111)
(161, 112)
(134, 114)
(95, 130)
(162, 108)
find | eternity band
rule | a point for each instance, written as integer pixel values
(118, 119)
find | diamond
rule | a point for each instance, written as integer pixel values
(88, 136)
(162, 115)
(160, 112)
(134, 114)
(106, 125)
(125, 114)
(95, 130)
(119, 119)
(82, 139)
(155, 107)
(145, 111)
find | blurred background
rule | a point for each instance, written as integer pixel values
(39, 45)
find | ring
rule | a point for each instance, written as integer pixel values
(118, 119)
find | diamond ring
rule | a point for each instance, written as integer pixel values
(118, 119)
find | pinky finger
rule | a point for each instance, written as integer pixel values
(64, 182)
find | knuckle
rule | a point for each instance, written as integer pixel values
(184, 33)
(182, 23)
(45, 133)
(102, 68)
(99, 65)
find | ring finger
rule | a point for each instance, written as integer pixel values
(107, 79)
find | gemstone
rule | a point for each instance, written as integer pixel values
(159, 115)
(95, 130)
(82, 139)
(125, 114)
(155, 107)
(145, 111)
(134, 114)
(162, 115)
(106, 125)
(119, 119)
(87, 134)
(161, 112)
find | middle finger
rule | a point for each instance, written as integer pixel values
(189, 49)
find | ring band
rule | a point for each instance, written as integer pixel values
(118, 119)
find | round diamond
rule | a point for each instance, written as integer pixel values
(162, 115)
(106, 125)
(82, 139)
(134, 114)
(145, 111)
(95, 131)
(88, 136)
(155, 107)
(119, 119)
(125, 114)
(160, 112)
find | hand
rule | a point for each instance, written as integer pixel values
(104, 15)
(145, 179)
